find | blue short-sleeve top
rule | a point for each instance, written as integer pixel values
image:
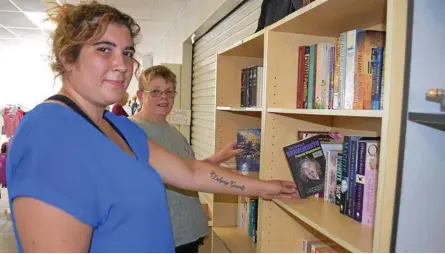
(59, 158)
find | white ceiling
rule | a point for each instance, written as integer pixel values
(155, 17)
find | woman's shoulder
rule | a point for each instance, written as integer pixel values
(45, 116)
(126, 125)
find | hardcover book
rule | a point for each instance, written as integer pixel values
(248, 160)
(307, 164)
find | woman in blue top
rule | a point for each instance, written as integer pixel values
(81, 179)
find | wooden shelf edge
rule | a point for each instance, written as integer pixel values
(235, 239)
(363, 246)
(207, 199)
(434, 120)
(318, 7)
(241, 42)
(239, 109)
(329, 112)
(296, 14)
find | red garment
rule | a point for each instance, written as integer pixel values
(3, 170)
(119, 110)
(11, 120)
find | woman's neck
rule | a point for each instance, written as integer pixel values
(147, 115)
(93, 111)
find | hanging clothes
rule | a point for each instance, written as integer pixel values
(5, 146)
(12, 116)
(119, 110)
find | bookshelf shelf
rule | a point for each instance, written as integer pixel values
(284, 226)
(251, 46)
(236, 240)
(326, 218)
(328, 112)
(240, 109)
(331, 17)
(434, 120)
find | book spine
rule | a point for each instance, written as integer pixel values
(331, 177)
(249, 87)
(243, 87)
(374, 39)
(327, 75)
(345, 175)
(351, 174)
(382, 82)
(312, 77)
(306, 76)
(300, 77)
(376, 77)
(360, 70)
(339, 178)
(371, 181)
(253, 220)
(331, 76)
(260, 86)
(336, 85)
(360, 181)
(342, 69)
(253, 87)
(350, 69)
(320, 81)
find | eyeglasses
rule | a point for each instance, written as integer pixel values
(157, 93)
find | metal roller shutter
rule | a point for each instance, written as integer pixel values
(236, 26)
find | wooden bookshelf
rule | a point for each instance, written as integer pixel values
(235, 239)
(325, 218)
(282, 225)
(328, 112)
(240, 109)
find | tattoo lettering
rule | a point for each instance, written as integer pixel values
(218, 179)
(231, 184)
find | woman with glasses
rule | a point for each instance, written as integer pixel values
(157, 91)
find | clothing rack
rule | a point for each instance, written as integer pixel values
(15, 107)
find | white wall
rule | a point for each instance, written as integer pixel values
(196, 12)
(26, 77)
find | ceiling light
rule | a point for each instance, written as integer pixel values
(39, 19)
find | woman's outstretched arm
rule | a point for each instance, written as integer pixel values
(207, 177)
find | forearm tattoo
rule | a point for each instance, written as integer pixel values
(230, 184)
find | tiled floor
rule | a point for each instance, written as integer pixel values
(7, 239)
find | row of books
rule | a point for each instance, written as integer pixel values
(342, 170)
(248, 216)
(252, 86)
(346, 74)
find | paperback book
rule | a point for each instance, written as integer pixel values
(307, 163)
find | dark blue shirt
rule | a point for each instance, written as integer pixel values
(61, 159)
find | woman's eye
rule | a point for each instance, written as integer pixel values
(129, 54)
(105, 50)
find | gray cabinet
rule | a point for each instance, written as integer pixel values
(420, 217)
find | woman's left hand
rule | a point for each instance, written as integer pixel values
(226, 153)
(279, 189)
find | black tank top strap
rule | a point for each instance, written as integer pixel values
(70, 103)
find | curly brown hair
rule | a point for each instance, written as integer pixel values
(156, 71)
(81, 24)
